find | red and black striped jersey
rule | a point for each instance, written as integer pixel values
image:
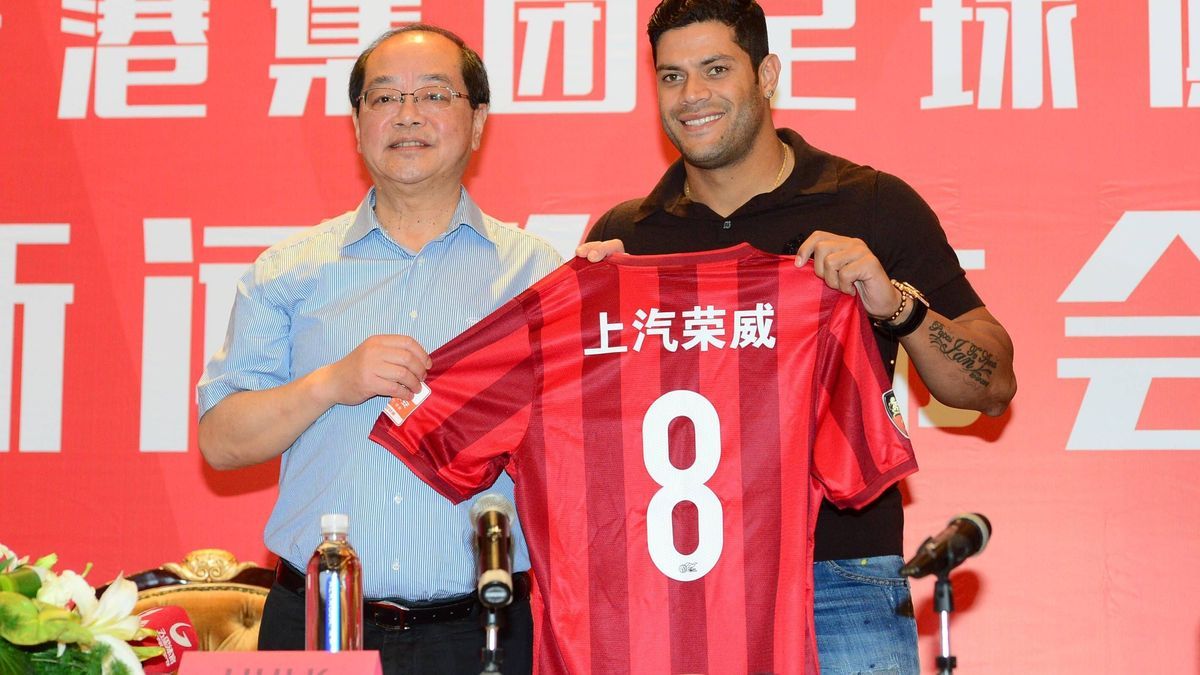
(671, 424)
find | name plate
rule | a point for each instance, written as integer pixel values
(280, 663)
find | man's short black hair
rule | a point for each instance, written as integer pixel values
(473, 72)
(745, 17)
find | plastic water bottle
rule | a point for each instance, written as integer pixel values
(333, 590)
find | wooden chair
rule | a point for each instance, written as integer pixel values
(223, 597)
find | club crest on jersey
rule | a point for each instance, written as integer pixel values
(892, 406)
(398, 410)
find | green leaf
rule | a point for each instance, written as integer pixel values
(18, 615)
(23, 580)
(144, 653)
(5, 562)
(73, 661)
(47, 562)
(13, 661)
(30, 622)
(61, 625)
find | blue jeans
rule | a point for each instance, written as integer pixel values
(864, 617)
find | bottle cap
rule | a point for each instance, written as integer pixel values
(335, 523)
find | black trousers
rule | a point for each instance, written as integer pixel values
(451, 647)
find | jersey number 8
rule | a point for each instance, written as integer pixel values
(679, 485)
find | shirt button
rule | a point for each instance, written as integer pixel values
(396, 565)
(412, 314)
(420, 261)
(397, 498)
(727, 224)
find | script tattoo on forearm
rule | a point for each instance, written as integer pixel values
(977, 362)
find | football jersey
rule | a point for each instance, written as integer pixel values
(671, 424)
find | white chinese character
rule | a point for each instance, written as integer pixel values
(320, 39)
(1028, 19)
(655, 323)
(167, 320)
(835, 15)
(752, 327)
(110, 30)
(705, 326)
(606, 329)
(519, 81)
(1169, 85)
(42, 339)
(1118, 387)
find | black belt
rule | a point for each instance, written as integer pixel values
(398, 614)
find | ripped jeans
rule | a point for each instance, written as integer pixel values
(864, 617)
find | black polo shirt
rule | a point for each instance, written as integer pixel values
(823, 192)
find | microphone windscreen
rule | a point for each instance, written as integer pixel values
(493, 501)
(981, 522)
(173, 632)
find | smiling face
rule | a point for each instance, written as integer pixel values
(408, 146)
(711, 100)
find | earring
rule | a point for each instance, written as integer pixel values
(770, 93)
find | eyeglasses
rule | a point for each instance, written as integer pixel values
(427, 99)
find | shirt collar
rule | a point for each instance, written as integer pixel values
(813, 174)
(466, 213)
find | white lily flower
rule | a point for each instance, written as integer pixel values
(6, 552)
(113, 613)
(112, 622)
(60, 589)
(119, 651)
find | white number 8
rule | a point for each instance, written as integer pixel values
(680, 485)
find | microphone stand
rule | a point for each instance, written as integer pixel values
(966, 535)
(491, 645)
(943, 604)
(494, 584)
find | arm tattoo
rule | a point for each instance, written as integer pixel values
(978, 363)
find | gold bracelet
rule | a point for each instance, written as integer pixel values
(899, 310)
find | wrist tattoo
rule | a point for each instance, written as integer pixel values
(976, 362)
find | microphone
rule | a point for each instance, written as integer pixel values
(173, 632)
(965, 535)
(492, 515)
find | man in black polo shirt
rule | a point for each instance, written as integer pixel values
(862, 231)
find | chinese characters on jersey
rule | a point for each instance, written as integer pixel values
(700, 328)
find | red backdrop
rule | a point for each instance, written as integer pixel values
(149, 150)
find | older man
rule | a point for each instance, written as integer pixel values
(330, 323)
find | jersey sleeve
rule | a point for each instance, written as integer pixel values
(860, 446)
(464, 432)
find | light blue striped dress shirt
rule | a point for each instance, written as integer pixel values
(310, 300)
